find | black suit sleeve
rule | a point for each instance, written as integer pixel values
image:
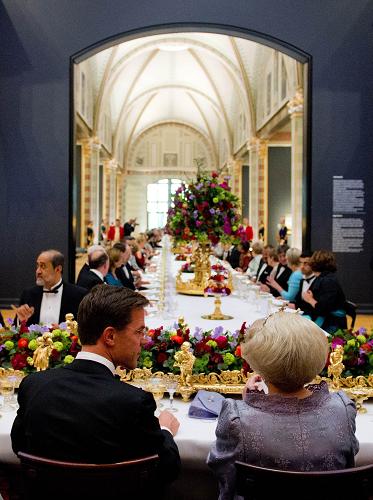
(329, 298)
(157, 441)
(18, 435)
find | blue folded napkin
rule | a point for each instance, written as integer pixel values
(206, 404)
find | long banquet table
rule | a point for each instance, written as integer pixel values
(195, 436)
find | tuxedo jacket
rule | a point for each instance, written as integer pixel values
(82, 413)
(329, 296)
(282, 280)
(126, 282)
(89, 279)
(71, 298)
(261, 277)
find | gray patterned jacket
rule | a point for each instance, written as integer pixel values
(314, 433)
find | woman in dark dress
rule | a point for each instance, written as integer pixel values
(324, 301)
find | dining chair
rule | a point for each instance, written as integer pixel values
(44, 479)
(259, 483)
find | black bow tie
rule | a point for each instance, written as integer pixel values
(53, 290)
(307, 280)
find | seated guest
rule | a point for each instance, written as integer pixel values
(115, 262)
(124, 272)
(274, 264)
(257, 251)
(324, 300)
(264, 269)
(52, 298)
(245, 256)
(140, 256)
(98, 269)
(293, 258)
(85, 267)
(308, 278)
(293, 427)
(82, 412)
(283, 271)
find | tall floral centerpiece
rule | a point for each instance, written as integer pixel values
(204, 211)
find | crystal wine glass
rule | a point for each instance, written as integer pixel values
(171, 386)
(7, 391)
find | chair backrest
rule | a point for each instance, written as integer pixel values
(258, 483)
(350, 309)
(53, 479)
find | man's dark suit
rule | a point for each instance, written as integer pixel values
(126, 282)
(282, 280)
(83, 413)
(261, 276)
(89, 279)
(71, 298)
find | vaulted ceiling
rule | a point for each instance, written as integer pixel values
(203, 80)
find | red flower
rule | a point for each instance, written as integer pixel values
(177, 339)
(54, 355)
(161, 358)
(74, 348)
(216, 358)
(22, 343)
(221, 341)
(214, 175)
(19, 361)
(246, 368)
(237, 352)
(366, 347)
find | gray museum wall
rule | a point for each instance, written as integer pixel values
(37, 39)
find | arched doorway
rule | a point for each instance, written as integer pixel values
(276, 116)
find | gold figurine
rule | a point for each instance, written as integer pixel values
(41, 355)
(336, 366)
(185, 360)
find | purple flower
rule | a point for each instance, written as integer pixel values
(233, 344)
(197, 334)
(192, 197)
(2, 346)
(45, 329)
(199, 223)
(235, 334)
(337, 341)
(10, 321)
(362, 331)
(199, 186)
(63, 325)
(217, 331)
(36, 328)
(212, 211)
(195, 214)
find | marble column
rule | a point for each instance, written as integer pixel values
(94, 188)
(295, 109)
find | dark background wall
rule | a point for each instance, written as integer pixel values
(38, 37)
(279, 189)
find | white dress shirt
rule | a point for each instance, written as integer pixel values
(307, 284)
(253, 266)
(51, 306)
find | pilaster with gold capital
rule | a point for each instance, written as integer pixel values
(258, 162)
(295, 109)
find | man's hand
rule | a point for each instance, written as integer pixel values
(264, 288)
(167, 419)
(308, 297)
(24, 312)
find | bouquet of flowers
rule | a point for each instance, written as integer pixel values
(358, 351)
(215, 350)
(18, 344)
(205, 211)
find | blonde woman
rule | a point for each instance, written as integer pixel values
(293, 259)
(293, 427)
(116, 261)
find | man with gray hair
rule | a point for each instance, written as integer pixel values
(51, 299)
(98, 262)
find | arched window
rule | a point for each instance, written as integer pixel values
(159, 200)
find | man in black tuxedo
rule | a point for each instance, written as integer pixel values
(264, 269)
(52, 298)
(83, 412)
(283, 272)
(85, 268)
(98, 262)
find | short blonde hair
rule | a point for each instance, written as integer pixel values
(286, 350)
(257, 248)
(293, 256)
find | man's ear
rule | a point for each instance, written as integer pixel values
(108, 336)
